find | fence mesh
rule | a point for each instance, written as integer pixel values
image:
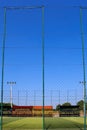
(63, 69)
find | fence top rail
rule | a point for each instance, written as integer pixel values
(42, 6)
(22, 7)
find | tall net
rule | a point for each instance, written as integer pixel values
(43, 87)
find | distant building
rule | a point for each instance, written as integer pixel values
(66, 111)
(38, 110)
(22, 110)
(32, 110)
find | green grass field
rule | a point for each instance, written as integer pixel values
(28, 123)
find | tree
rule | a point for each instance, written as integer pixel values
(5, 104)
(58, 107)
(66, 104)
(81, 104)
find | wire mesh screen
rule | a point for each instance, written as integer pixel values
(43, 89)
(34, 97)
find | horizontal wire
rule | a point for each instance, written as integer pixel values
(53, 47)
(22, 7)
(59, 33)
(38, 66)
(32, 7)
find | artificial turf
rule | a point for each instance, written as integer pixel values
(28, 123)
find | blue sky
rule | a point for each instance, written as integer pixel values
(63, 55)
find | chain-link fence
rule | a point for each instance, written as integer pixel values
(34, 97)
(42, 84)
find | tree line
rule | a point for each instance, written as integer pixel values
(79, 103)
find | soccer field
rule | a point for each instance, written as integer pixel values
(28, 123)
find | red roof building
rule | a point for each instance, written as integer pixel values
(41, 107)
(32, 110)
(23, 107)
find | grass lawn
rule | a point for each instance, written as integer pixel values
(28, 123)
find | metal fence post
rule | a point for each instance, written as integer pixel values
(2, 75)
(84, 73)
(43, 65)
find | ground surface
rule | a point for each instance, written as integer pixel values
(27, 123)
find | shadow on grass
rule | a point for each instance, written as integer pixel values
(48, 127)
(78, 127)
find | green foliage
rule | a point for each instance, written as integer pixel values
(58, 107)
(6, 104)
(66, 104)
(81, 105)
